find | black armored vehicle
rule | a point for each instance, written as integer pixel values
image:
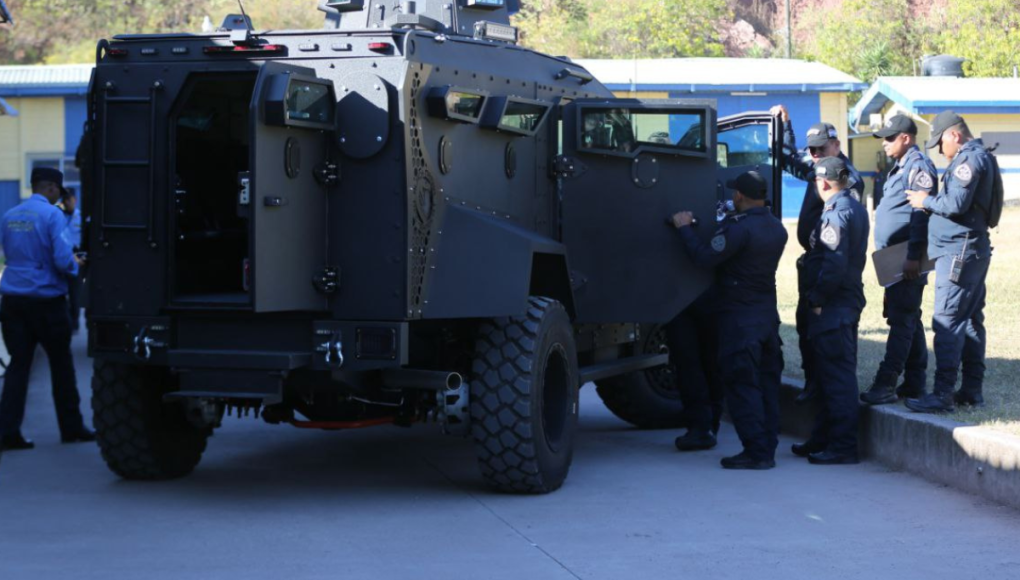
(403, 217)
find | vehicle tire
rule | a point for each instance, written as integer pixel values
(524, 383)
(140, 436)
(647, 399)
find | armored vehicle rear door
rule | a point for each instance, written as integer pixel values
(751, 141)
(292, 122)
(627, 165)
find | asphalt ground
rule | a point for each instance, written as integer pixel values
(278, 502)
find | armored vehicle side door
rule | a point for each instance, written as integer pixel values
(292, 121)
(751, 141)
(626, 167)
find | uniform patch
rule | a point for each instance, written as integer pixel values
(924, 180)
(964, 173)
(830, 236)
(719, 243)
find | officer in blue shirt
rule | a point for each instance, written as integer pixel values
(835, 295)
(745, 251)
(896, 222)
(822, 141)
(69, 204)
(958, 242)
(33, 309)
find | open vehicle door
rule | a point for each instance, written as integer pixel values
(751, 141)
(626, 167)
(292, 122)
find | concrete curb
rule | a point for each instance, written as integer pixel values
(972, 459)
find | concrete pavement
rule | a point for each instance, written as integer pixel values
(271, 502)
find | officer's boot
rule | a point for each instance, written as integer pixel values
(908, 391)
(969, 396)
(695, 440)
(937, 402)
(881, 391)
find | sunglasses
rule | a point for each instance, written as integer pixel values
(892, 138)
(816, 150)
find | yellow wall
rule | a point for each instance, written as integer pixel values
(38, 129)
(641, 95)
(833, 109)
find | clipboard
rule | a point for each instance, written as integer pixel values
(889, 263)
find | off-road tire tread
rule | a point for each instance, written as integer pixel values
(131, 427)
(501, 417)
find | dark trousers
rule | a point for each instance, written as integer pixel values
(751, 363)
(74, 300)
(692, 340)
(25, 323)
(801, 320)
(833, 340)
(959, 324)
(906, 350)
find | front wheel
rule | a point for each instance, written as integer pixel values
(524, 398)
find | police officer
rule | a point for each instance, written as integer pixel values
(69, 204)
(822, 141)
(693, 350)
(895, 222)
(958, 242)
(746, 250)
(33, 309)
(835, 295)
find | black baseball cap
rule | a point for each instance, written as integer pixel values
(47, 174)
(897, 124)
(831, 168)
(943, 121)
(750, 184)
(820, 133)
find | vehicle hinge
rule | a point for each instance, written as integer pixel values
(327, 281)
(564, 166)
(327, 173)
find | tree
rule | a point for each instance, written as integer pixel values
(985, 32)
(624, 28)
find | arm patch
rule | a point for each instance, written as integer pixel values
(964, 173)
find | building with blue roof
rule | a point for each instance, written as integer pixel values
(42, 113)
(812, 92)
(991, 107)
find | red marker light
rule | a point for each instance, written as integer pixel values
(380, 46)
(261, 48)
(116, 52)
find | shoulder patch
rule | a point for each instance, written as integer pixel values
(964, 173)
(923, 180)
(719, 243)
(830, 236)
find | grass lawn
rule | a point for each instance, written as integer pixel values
(1002, 321)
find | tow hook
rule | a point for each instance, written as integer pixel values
(145, 343)
(334, 351)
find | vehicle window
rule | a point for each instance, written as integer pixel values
(523, 116)
(309, 102)
(747, 145)
(627, 130)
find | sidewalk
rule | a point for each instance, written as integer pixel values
(970, 458)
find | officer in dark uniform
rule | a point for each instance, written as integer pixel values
(835, 295)
(958, 242)
(34, 310)
(822, 141)
(895, 221)
(693, 350)
(746, 250)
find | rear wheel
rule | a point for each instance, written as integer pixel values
(648, 399)
(140, 436)
(523, 388)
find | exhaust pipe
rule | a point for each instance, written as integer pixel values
(422, 379)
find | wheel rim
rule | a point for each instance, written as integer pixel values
(662, 380)
(556, 399)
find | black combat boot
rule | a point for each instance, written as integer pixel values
(879, 394)
(15, 442)
(807, 448)
(905, 391)
(968, 399)
(745, 461)
(833, 458)
(695, 441)
(932, 403)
